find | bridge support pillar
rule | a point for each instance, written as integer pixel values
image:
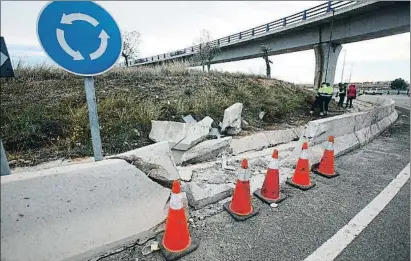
(326, 55)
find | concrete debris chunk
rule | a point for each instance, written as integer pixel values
(197, 133)
(225, 161)
(150, 247)
(232, 119)
(202, 194)
(185, 173)
(170, 131)
(261, 115)
(207, 121)
(206, 150)
(189, 119)
(154, 160)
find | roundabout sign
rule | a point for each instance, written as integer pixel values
(81, 37)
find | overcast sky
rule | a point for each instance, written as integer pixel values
(168, 26)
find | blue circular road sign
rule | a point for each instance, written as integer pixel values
(79, 36)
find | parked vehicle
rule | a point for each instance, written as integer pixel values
(374, 91)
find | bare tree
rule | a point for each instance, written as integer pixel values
(206, 51)
(131, 42)
(265, 51)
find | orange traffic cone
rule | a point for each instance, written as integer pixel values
(326, 166)
(240, 207)
(176, 241)
(270, 191)
(301, 178)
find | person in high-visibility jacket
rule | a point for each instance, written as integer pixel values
(328, 95)
(323, 98)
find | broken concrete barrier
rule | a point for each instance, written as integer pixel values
(205, 150)
(350, 130)
(202, 194)
(66, 212)
(170, 131)
(261, 140)
(195, 134)
(232, 119)
(156, 160)
(255, 141)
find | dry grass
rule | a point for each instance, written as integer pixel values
(44, 111)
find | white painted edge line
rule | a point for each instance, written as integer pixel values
(337, 243)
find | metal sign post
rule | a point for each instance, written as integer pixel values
(93, 117)
(82, 38)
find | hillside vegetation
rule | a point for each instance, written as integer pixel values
(44, 112)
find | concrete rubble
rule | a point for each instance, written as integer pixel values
(189, 119)
(170, 131)
(195, 134)
(232, 119)
(181, 136)
(202, 194)
(206, 150)
(265, 139)
(155, 160)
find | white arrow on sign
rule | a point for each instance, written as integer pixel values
(103, 45)
(70, 18)
(3, 58)
(62, 41)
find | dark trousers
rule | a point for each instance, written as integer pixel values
(319, 102)
(341, 101)
(349, 100)
(327, 101)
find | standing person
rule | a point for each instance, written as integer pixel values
(320, 99)
(351, 95)
(342, 92)
(327, 96)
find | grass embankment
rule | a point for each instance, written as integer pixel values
(44, 112)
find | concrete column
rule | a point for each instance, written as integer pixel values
(321, 59)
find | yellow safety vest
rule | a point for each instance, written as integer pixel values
(325, 90)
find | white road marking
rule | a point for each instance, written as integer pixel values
(337, 243)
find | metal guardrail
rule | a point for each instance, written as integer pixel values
(255, 32)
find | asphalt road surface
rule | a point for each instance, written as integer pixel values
(401, 100)
(308, 219)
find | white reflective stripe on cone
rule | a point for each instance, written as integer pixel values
(330, 146)
(176, 201)
(244, 175)
(273, 164)
(304, 154)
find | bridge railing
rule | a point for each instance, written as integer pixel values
(255, 32)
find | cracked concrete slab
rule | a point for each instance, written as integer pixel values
(158, 154)
(202, 194)
(170, 131)
(206, 150)
(63, 212)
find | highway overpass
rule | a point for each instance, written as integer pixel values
(351, 21)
